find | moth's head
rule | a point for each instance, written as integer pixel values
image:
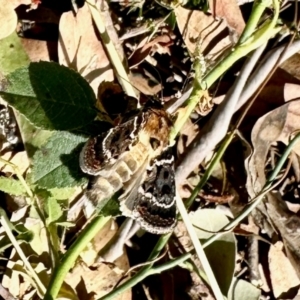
(153, 102)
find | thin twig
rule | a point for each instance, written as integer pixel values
(264, 68)
(111, 50)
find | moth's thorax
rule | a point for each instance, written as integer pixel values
(158, 124)
(156, 130)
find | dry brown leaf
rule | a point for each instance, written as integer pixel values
(292, 65)
(80, 49)
(196, 25)
(282, 274)
(278, 125)
(293, 207)
(291, 92)
(230, 11)
(142, 84)
(20, 159)
(36, 50)
(12, 281)
(8, 19)
(145, 48)
(188, 132)
(102, 279)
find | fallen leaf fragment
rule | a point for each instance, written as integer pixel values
(19, 159)
(145, 48)
(283, 276)
(8, 19)
(277, 125)
(198, 28)
(292, 65)
(36, 50)
(291, 92)
(230, 11)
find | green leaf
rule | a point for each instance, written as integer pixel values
(12, 186)
(110, 207)
(62, 194)
(32, 137)
(242, 289)
(221, 253)
(12, 54)
(56, 164)
(54, 211)
(51, 96)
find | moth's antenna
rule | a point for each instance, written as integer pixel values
(157, 72)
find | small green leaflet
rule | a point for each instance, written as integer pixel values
(54, 211)
(12, 186)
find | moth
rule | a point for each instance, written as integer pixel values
(134, 157)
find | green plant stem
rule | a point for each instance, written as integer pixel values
(257, 39)
(143, 273)
(252, 40)
(163, 240)
(34, 200)
(71, 255)
(226, 142)
(196, 95)
(258, 9)
(6, 225)
(247, 210)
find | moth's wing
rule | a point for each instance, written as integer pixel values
(104, 150)
(155, 205)
(128, 198)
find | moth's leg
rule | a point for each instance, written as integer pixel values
(75, 209)
(115, 247)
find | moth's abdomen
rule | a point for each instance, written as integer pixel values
(111, 180)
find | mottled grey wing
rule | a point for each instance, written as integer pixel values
(155, 204)
(104, 150)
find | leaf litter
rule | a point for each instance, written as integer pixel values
(54, 109)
